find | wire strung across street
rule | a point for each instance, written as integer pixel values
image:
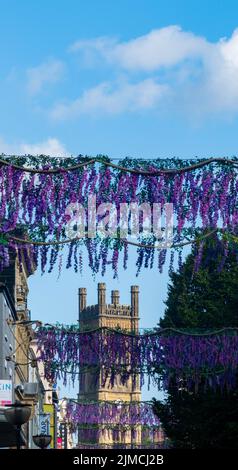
(109, 163)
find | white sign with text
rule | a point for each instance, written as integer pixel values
(6, 391)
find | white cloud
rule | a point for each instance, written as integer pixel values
(163, 47)
(92, 50)
(100, 44)
(112, 100)
(51, 146)
(47, 73)
(201, 75)
(221, 75)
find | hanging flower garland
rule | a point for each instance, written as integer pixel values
(107, 420)
(111, 413)
(35, 194)
(210, 359)
(120, 436)
(105, 445)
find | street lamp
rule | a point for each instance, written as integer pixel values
(18, 414)
(42, 440)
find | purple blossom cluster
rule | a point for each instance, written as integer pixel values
(114, 413)
(105, 445)
(4, 257)
(211, 359)
(39, 202)
(99, 437)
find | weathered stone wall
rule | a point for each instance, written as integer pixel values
(113, 315)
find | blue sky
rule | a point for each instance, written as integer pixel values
(189, 103)
(144, 78)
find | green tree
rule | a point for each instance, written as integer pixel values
(205, 299)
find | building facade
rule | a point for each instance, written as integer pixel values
(7, 344)
(117, 316)
(18, 356)
(65, 434)
(7, 348)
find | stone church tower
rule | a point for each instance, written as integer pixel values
(113, 315)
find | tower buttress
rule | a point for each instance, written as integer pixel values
(134, 301)
(82, 298)
(101, 298)
(115, 297)
(135, 308)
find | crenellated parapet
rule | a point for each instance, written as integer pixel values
(103, 314)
